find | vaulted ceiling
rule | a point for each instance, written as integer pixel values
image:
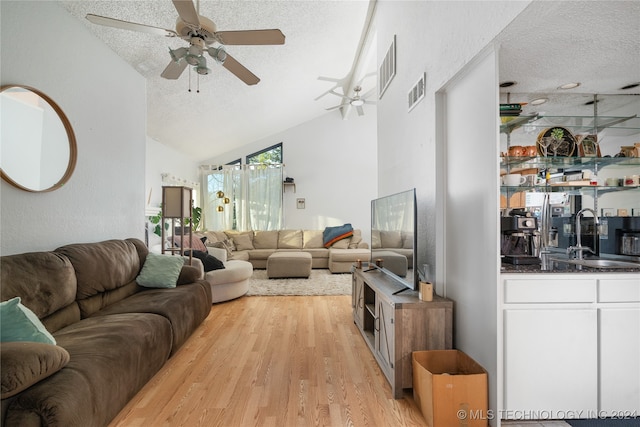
(323, 42)
(595, 43)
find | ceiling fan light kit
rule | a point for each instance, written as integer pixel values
(356, 100)
(200, 32)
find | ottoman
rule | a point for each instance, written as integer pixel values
(289, 264)
(342, 260)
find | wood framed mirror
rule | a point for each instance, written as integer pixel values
(38, 146)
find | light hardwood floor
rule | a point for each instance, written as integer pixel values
(272, 361)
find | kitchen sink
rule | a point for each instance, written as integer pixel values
(598, 263)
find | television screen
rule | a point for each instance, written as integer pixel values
(393, 236)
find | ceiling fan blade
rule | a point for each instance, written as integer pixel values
(336, 107)
(240, 71)
(330, 79)
(251, 37)
(132, 26)
(323, 94)
(360, 110)
(339, 94)
(174, 70)
(187, 12)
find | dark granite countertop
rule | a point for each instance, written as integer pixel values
(535, 268)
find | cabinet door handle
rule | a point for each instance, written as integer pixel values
(376, 323)
(361, 302)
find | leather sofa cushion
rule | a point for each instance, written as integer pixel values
(102, 266)
(24, 363)
(89, 391)
(290, 239)
(45, 281)
(181, 305)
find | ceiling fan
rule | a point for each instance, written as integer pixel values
(356, 101)
(203, 36)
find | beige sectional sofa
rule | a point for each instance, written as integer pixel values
(256, 246)
(400, 242)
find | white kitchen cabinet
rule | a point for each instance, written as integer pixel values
(571, 343)
(550, 360)
(619, 333)
(619, 361)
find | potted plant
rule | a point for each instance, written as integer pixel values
(157, 219)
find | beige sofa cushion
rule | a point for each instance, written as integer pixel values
(213, 237)
(290, 239)
(265, 239)
(376, 242)
(312, 239)
(243, 240)
(391, 239)
(350, 242)
(407, 240)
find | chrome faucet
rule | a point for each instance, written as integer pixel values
(578, 249)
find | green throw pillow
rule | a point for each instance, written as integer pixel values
(160, 271)
(18, 323)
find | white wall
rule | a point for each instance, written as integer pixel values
(105, 101)
(472, 253)
(162, 159)
(438, 37)
(333, 162)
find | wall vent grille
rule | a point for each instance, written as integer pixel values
(416, 94)
(387, 69)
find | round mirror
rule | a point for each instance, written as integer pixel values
(37, 145)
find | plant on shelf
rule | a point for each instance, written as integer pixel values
(557, 136)
(157, 219)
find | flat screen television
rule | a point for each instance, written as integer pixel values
(394, 236)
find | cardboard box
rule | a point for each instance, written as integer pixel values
(450, 388)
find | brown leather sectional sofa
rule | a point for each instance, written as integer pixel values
(111, 335)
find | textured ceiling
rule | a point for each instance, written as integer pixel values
(596, 44)
(550, 43)
(323, 39)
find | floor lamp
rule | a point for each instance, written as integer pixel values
(177, 204)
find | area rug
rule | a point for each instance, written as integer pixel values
(321, 282)
(606, 422)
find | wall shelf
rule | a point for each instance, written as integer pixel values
(286, 184)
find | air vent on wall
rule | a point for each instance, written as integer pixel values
(416, 93)
(388, 68)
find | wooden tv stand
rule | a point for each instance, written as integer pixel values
(394, 326)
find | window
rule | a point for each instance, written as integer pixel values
(270, 155)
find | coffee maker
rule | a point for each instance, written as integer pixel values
(520, 238)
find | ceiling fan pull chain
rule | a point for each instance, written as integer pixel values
(189, 79)
(198, 83)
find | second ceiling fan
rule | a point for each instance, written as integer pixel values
(203, 36)
(356, 100)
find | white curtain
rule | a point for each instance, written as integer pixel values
(264, 197)
(251, 197)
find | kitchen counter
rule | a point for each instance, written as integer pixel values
(535, 268)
